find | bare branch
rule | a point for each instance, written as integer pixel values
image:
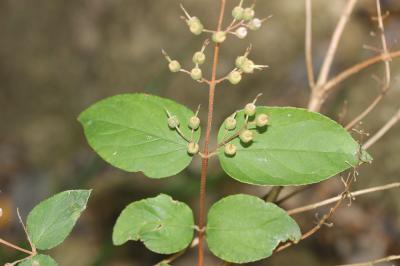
(335, 199)
(373, 262)
(391, 123)
(308, 45)
(327, 64)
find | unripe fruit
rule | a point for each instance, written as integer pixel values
(255, 24)
(219, 36)
(235, 77)
(248, 14)
(173, 122)
(193, 148)
(248, 66)
(250, 109)
(196, 73)
(241, 32)
(174, 66)
(230, 149)
(230, 123)
(35, 263)
(262, 120)
(199, 58)
(194, 122)
(246, 136)
(238, 12)
(195, 25)
(240, 61)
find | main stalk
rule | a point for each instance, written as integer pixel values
(204, 162)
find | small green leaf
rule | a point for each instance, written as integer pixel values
(164, 225)
(52, 220)
(39, 260)
(297, 147)
(243, 228)
(131, 132)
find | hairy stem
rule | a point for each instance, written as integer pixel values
(204, 162)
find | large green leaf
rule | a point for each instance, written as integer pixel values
(243, 228)
(164, 225)
(130, 131)
(297, 147)
(39, 260)
(52, 220)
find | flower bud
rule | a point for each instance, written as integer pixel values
(173, 122)
(199, 58)
(240, 61)
(238, 12)
(194, 122)
(174, 66)
(235, 77)
(196, 73)
(248, 66)
(262, 120)
(193, 148)
(230, 123)
(241, 32)
(250, 109)
(248, 14)
(255, 24)
(219, 36)
(246, 136)
(230, 149)
(195, 25)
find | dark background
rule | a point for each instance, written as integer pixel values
(59, 57)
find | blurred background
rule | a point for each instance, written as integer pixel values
(59, 57)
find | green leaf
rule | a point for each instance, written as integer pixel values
(243, 228)
(164, 225)
(39, 260)
(52, 220)
(131, 132)
(297, 147)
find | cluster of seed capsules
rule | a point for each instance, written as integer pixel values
(245, 135)
(243, 20)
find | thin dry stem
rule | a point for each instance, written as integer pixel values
(391, 123)
(373, 262)
(308, 45)
(10, 245)
(335, 199)
(327, 64)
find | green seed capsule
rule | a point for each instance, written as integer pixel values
(262, 120)
(230, 149)
(250, 109)
(194, 122)
(255, 24)
(199, 58)
(238, 12)
(174, 66)
(193, 148)
(219, 36)
(235, 77)
(248, 14)
(196, 73)
(248, 66)
(195, 25)
(230, 123)
(246, 136)
(240, 61)
(173, 122)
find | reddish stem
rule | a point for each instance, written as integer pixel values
(204, 162)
